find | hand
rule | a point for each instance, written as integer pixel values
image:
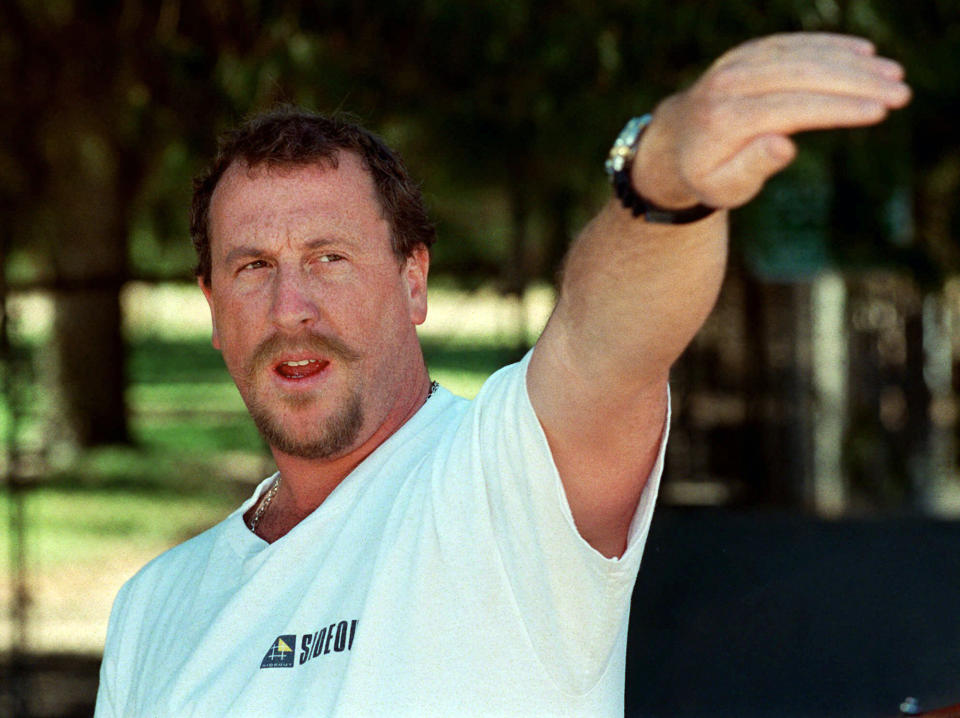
(719, 141)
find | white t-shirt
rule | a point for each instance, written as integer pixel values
(443, 577)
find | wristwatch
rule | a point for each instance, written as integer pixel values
(618, 165)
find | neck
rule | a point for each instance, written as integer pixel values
(308, 482)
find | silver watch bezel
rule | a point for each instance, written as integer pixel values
(624, 149)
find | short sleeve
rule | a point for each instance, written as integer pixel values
(574, 601)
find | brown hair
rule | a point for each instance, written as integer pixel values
(290, 136)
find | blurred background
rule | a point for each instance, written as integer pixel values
(805, 559)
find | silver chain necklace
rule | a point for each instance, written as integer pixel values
(272, 491)
(264, 503)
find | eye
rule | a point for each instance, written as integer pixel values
(255, 264)
(331, 257)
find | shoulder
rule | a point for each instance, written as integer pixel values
(499, 421)
(171, 571)
(504, 391)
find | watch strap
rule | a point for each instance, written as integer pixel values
(618, 167)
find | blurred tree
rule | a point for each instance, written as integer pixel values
(106, 94)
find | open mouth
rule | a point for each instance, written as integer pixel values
(300, 368)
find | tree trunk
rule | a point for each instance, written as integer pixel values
(779, 388)
(90, 264)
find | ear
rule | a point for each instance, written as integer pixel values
(208, 293)
(414, 273)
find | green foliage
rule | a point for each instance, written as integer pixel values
(504, 109)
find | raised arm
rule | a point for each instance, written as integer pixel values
(634, 293)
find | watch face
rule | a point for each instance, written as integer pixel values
(625, 146)
(618, 157)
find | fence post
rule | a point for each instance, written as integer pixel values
(829, 366)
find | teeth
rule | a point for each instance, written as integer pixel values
(302, 362)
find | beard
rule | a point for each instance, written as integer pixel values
(324, 440)
(334, 436)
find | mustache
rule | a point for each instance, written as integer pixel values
(321, 344)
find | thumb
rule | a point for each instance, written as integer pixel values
(738, 180)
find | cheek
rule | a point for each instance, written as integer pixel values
(235, 338)
(389, 319)
(233, 360)
(360, 315)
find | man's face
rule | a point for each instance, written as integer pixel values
(312, 310)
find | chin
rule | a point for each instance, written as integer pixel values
(324, 437)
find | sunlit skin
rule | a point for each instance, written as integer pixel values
(303, 270)
(635, 293)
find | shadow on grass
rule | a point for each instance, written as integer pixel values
(152, 361)
(472, 358)
(160, 472)
(62, 685)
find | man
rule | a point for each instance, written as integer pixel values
(417, 554)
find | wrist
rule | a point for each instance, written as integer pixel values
(641, 192)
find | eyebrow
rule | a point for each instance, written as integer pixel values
(246, 251)
(313, 244)
(241, 253)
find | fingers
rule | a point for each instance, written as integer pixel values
(731, 128)
(749, 136)
(718, 142)
(827, 64)
(833, 72)
(777, 46)
(788, 113)
(740, 178)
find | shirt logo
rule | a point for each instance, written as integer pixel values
(334, 638)
(280, 654)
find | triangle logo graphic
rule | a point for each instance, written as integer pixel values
(280, 654)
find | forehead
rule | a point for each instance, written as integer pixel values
(265, 202)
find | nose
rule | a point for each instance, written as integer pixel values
(293, 307)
